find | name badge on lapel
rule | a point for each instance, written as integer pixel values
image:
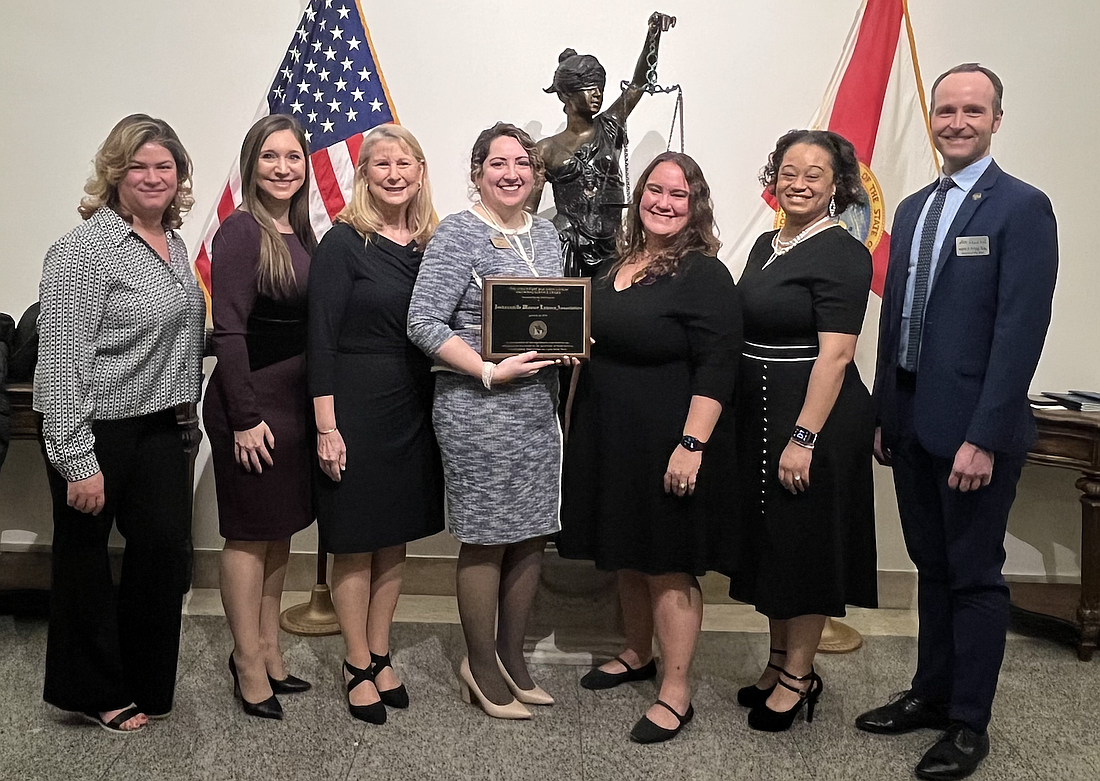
(971, 246)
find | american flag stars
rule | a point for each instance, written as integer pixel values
(326, 72)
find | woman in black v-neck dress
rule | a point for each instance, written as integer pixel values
(382, 482)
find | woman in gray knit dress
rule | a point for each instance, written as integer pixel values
(496, 424)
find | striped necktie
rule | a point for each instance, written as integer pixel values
(924, 267)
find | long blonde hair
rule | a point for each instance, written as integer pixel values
(113, 159)
(275, 269)
(362, 212)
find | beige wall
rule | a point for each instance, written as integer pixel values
(750, 69)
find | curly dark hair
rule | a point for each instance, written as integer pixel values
(700, 234)
(480, 152)
(849, 188)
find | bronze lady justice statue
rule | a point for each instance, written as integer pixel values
(582, 161)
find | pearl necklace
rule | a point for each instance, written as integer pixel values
(508, 233)
(780, 247)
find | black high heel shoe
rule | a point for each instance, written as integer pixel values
(267, 709)
(765, 719)
(395, 698)
(752, 696)
(289, 685)
(375, 713)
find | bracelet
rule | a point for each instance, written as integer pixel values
(326, 431)
(487, 370)
(803, 437)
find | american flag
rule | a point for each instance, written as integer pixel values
(329, 80)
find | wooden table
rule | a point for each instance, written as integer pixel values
(1071, 440)
(27, 424)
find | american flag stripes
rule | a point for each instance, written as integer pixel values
(329, 80)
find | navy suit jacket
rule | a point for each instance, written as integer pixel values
(985, 320)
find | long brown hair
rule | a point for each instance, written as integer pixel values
(275, 270)
(699, 235)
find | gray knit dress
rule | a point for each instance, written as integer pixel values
(501, 448)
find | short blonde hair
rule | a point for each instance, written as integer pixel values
(362, 212)
(113, 159)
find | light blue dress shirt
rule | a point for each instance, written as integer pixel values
(964, 182)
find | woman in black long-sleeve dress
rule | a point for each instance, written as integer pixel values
(372, 395)
(255, 411)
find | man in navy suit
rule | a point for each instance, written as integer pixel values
(973, 261)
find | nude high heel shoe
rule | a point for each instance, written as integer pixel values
(535, 696)
(469, 689)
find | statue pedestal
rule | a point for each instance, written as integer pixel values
(576, 618)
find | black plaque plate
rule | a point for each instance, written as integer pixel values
(552, 315)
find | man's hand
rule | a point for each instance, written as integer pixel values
(882, 454)
(973, 468)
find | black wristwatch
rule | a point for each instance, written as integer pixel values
(692, 444)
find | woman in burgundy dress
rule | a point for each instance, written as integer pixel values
(256, 407)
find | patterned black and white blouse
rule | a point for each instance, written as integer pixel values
(121, 335)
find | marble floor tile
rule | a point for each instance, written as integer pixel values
(1044, 727)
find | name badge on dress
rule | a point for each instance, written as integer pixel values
(500, 241)
(971, 246)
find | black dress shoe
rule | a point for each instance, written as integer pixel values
(289, 685)
(645, 731)
(598, 679)
(956, 755)
(904, 713)
(265, 709)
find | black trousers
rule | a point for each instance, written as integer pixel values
(956, 540)
(108, 647)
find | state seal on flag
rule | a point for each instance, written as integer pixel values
(867, 221)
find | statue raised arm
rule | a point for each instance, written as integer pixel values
(582, 161)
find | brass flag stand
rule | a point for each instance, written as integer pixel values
(838, 638)
(316, 617)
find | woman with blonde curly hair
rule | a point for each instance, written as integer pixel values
(122, 330)
(372, 399)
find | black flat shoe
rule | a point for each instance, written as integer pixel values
(956, 755)
(904, 713)
(753, 697)
(764, 719)
(289, 685)
(375, 713)
(266, 709)
(395, 698)
(645, 731)
(597, 679)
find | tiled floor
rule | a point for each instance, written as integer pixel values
(1046, 721)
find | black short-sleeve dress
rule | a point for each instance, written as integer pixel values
(656, 344)
(811, 553)
(392, 490)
